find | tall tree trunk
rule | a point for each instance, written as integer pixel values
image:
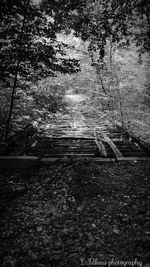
(8, 121)
(120, 102)
(111, 99)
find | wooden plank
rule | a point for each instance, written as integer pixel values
(33, 158)
(63, 148)
(49, 160)
(100, 146)
(116, 151)
(65, 142)
(50, 138)
(64, 154)
(134, 159)
(63, 151)
(103, 160)
(58, 146)
(18, 158)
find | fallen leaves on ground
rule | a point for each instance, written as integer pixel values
(61, 214)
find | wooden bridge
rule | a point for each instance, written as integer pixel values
(65, 141)
(94, 141)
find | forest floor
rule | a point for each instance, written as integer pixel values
(76, 213)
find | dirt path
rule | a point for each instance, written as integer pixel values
(77, 119)
(73, 99)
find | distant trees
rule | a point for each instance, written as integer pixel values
(98, 21)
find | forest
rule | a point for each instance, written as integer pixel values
(74, 133)
(99, 47)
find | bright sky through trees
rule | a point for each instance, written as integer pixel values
(36, 1)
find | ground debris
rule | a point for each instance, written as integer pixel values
(100, 213)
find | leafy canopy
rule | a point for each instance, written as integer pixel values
(29, 36)
(99, 20)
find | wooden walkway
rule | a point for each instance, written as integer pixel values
(80, 140)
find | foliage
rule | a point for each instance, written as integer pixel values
(99, 20)
(38, 43)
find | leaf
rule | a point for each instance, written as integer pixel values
(147, 232)
(65, 231)
(81, 207)
(9, 261)
(39, 228)
(89, 244)
(91, 237)
(65, 207)
(116, 230)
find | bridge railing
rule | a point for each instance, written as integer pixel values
(134, 113)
